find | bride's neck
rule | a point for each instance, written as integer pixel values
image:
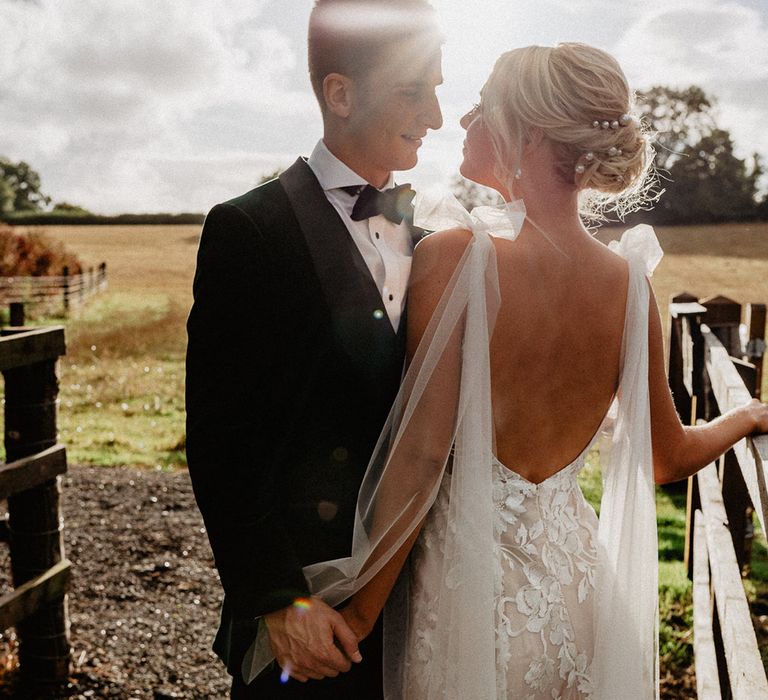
(554, 210)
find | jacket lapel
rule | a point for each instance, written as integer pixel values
(360, 324)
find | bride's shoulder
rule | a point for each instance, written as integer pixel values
(446, 245)
(437, 255)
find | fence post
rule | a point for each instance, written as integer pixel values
(65, 289)
(675, 360)
(738, 507)
(754, 317)
(102, 274)
(723, 318)
(17, 313)
(693, 503)
(34, 519)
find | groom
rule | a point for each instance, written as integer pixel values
(296, 346)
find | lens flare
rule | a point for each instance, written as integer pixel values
(302, 603)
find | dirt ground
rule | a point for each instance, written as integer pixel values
(144, 599)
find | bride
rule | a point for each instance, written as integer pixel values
(529, 342)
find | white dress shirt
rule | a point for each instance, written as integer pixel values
(386, 248)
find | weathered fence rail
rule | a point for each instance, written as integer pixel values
(710, 372)
(37, 604)
(63, 290)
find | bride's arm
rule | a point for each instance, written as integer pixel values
(416, 462)
(680, 451)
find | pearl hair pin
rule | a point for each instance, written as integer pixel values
(623, 120)
(589, 156)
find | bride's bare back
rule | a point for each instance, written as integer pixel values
(555, 350)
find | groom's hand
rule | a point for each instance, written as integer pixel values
(303, 640)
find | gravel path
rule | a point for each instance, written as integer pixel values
(145, 596)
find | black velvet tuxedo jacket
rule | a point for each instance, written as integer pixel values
(292, 367)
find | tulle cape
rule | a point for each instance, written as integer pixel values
(442, 419)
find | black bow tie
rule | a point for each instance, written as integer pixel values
(395, 204)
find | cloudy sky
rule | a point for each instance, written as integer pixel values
(173, 105)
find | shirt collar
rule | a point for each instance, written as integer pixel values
(332, 173)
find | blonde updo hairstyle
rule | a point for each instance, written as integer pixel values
(563, 91)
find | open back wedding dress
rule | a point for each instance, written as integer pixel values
(513, 590)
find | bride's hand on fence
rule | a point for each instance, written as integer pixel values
(303, 638)
(759, 412)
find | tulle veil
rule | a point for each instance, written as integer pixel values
(441, 419)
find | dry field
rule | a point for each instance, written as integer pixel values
(727, 259)
(122, 381)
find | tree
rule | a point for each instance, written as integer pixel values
(33, 254)
(678, 118)
(702, 178)
(269, 176)
(20, 187)
(709, 183)
(72, 209)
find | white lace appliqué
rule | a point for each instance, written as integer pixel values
(547, 555)
(545, 579)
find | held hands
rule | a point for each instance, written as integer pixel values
(357, 621)
(303, 638)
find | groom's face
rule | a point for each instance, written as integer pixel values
(395, 105)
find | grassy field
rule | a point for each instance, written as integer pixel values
(122, 379)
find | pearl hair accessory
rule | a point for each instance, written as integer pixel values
(627, 119)
(623, 120)
(579, 168)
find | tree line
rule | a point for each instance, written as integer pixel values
(703, 181)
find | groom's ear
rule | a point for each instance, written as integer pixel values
(338, 93)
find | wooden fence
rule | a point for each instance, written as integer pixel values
(63, 291)
(29, 481)
(709, 374)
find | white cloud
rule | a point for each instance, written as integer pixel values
(158, 104)
(717, 45)
(98, 89)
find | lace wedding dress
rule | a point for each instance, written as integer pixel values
(514, 590)
(546, 551)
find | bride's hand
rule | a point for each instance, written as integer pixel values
(759, 414)
(357, 621)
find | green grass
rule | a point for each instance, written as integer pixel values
(675, 589)
(121, 384)
(675, 603)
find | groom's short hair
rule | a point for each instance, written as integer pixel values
(348, 36)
